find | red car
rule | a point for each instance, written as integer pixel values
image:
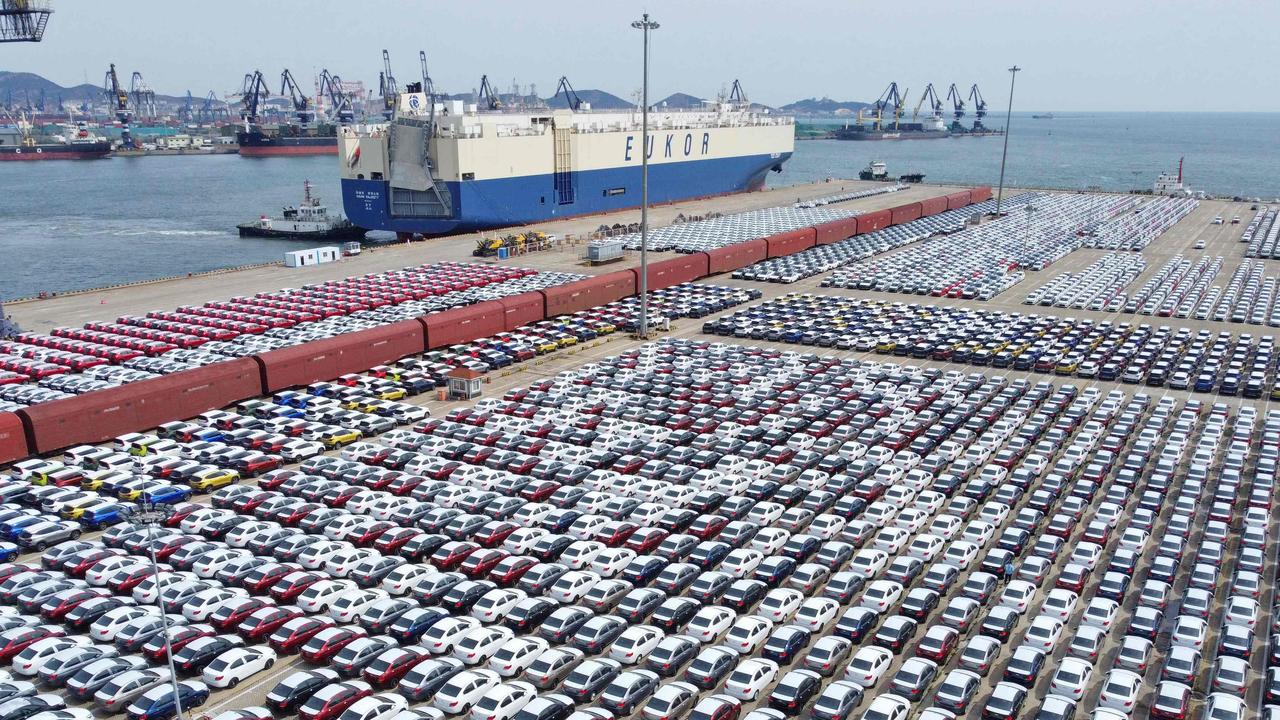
(57, 607)
(392, 540)
(616, 532)
(272, 481)
(289, 587)
(509, 571)
(368, 535)
(451, 554)
(646, 540)
(172, 545)
(708, 526)
(264, 576)
(493, 533)
(938, 646)
(180, 637)
(291, 636)
(482, 561)
(322, 646)
(332, 700)
(88, 560)
(265, 621)
(391, 665)
(124, 583)
(233, 613)
(16, 640)
(539, 490)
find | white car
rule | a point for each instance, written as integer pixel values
(341, 561)
(479, 644)
(709, 622)
(816, 613)
(464, 690)
(405, 578)
(442, 636)
(580, 553)
(1018, 595)
(238, 664)
(495, 604)
(881, 595)
(318, 597)
(1060, 603)
(868, 665)
(747, 634)
(780, 604)
(516, 655)
(1043, 633)
(635, 643)
(29, 661)
(215, 560)
(1120, 690)
(925, 547)
(1101, 613)
(504, 701)
(349, 605)
(611, 561)
(751, 678)
(741, 562)
(570, 587)
(105, 628)
(382, 706)
(204, 603)
(1072, 678)
(1188, 631)
(961, 553)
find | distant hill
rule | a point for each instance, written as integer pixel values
(599, 100)
(824, 106)
(23, 85)
(680, 101)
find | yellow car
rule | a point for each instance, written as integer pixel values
(604, 328)
(391, 394)
(544, 346)
(340, 437)
(76, 508)
(214, 478)
(1066, 367)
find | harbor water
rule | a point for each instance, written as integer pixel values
(76, 225)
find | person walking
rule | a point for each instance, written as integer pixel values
(1008, 570)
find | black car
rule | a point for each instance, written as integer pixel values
(671, 654)
(785, 644)
(427, 677)
(1024, 666)
(289, 694)
(636, 605)
(674, 613)
(794, 691)
(856, 623)
(742, 595)
(562, 623)
(710, 667)
(529, 614)
(895, 633)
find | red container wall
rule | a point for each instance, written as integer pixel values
(874, 221)
(522, 309)
(327, 359)
(933, 206)
(102, 415)
(680, 269)
(957, 200)
(591, 292)
(836, 230)
(13, 438)
(737, 255)
(906, 213)
(464, 324)
(981, 194)
(792, 241)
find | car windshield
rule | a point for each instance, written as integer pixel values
(1119, 687)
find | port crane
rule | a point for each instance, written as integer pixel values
(187, 113)
(252, 93)
(935, 105)
(23, 21)
(331, 85)
(957, 108)
(211, 110)
(301, 103)
(118, 102)
(570, 95)
(144, 98)
(979, 108)
(428, 85)
(738, 96)
(889, 97)
(486, 95)
(387, 87)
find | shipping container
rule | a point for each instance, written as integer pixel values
(352, 352)
(905, 213)
(836, 230)
(958, 200)
(877, 220)
(522, 309)
(738, 255)
(679, 269)
(13, 438)
(588, 293)
(933, 206)
(104, 414)
(464, 324)
(791, 242)
(980, 194)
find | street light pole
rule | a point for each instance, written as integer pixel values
(644, 24)
(1008, 116)
(150, 516)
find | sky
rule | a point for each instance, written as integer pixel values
(1085, 55)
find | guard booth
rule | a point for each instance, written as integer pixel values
(464, 383)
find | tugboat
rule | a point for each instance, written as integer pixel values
(310, 220)
(877, 170)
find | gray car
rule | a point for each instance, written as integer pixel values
(671, 701)
(116, 695)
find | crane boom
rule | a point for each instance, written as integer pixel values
(331, 85)
(428, 85)
(570, 95)
(119, 104)
(486, 96)
(252, 93)
(387, 87)
(301, 103)
(979, 107)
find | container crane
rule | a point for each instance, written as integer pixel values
(331, 85)
(187, 113)
(979, 108)
(301, 103)
(428, 85)
(935, 105)
(252, 93)
(387, 87)
(210, 110)
(957, 108)
(486, 96)
(118, 102)
(570, 95)
(144, 98)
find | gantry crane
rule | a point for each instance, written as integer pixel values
(23, 20)
(144, 98)
(301, 103)
(979, 108)
(187, 113)
(387, 87)
(252, 93)
(118, 103)
(340, 102)
(210, 110)
(428, 85)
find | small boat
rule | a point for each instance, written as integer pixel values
(309, 221)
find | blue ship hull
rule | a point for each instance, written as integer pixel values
(485, 204)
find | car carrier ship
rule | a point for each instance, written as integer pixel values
(446, 167)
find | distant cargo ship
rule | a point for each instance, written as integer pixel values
(1042, 116)
(452, 168)
(287, 140)
(904, 131)
(80, 145)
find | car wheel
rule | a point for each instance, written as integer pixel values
(270, 662)
(40, 546)
(234, 682)
(75, 535)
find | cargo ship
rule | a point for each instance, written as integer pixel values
(287, 140)
(79, 144)
(445, 167)
(886, 123)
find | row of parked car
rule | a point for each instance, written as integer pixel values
(1098, 287)
(1262, 234)
(667, 534)
(1141, 222)
(1134, 354)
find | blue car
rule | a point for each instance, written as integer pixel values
(207, 435)
(158, 702)
(410, 626)
(785, 644)
(11, 529)
(167, 494)
(856, 623)
(8, 551)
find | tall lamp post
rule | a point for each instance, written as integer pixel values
(151, 516)
(1008, 115)
(644, 24)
